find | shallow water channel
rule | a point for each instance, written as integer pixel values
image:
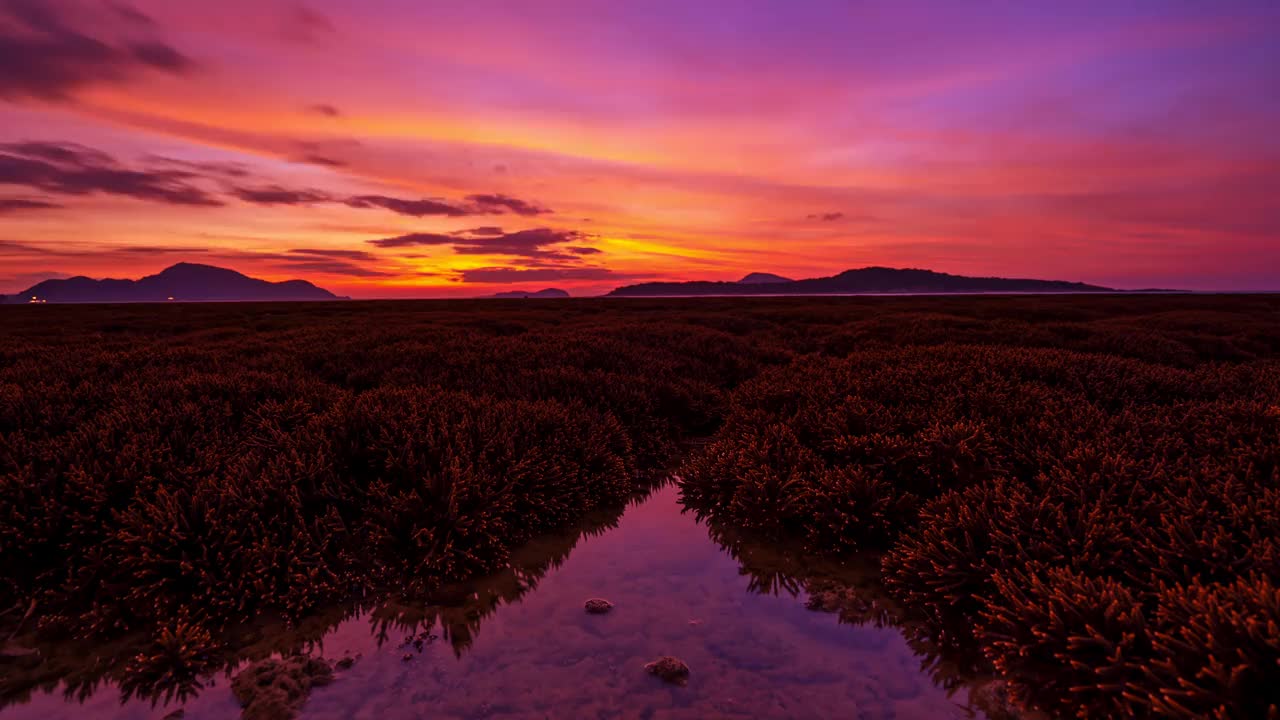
(519, 644)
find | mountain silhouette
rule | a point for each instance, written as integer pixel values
(184, 282)
(548, 294)
(757, 278)
(864, 280)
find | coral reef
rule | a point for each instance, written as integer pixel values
(1085, 483)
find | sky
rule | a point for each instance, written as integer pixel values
(402, 148)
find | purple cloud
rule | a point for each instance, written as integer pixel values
(539, 244)
(235, 171)
(8, 205)
(528, 243)
(132, 14)
(276, 195)
(414, 240)
(70, 169)
(412, 208)
(324, 109)
(521, 274)
(322, 161)
(496, 204)
(486, 231)
(44, 57)
(333, 267)
(339, 254)
(305, 25)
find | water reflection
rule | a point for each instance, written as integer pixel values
(518, 644)
(849, 590)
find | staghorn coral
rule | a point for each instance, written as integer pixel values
(1216, 651)
(217, 462)
(173, 664)
(1067, 643)
(1007, 482)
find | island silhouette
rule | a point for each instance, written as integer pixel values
(193, 282)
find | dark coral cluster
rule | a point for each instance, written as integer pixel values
(213, 463)
(1103, 530)
(1085, 489)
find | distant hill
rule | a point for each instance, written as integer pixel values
(864, 280)
(184, 282)
(763, 279)
(549, 293)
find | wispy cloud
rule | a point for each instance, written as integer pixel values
(324, 109)
(276, 195)
(354, 255)
(414, 240)
(70, 169)
(10, 205)
(541, 244)
(413, 208)
(45, 55)
(498, 204)
(305, 25)
(510, 274)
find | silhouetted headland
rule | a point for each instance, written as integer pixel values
(547, 294)
(184, 282)
(864, 280)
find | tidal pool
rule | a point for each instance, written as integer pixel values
(519, 644)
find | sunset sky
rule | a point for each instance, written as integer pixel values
(413, 148)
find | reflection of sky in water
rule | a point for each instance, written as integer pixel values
(676, 593)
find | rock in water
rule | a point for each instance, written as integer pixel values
(672, 670)
(598, 606)
(274, 689)
(993, 699)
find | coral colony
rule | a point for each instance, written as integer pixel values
(1079, 493)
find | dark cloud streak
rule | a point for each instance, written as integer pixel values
(325, 109)
(323, 161)
(540, 249)
(496, 203)
(524, 243)
(412, 208)
(307, 26)
(276, 195)
(500, 275)
(354, 255)
(132, 14)
(485, 231)
(43, 56)
(234, 171)
(10, 205)
(414, 240)
(69, 169)
(333, 267)
(162, 57)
